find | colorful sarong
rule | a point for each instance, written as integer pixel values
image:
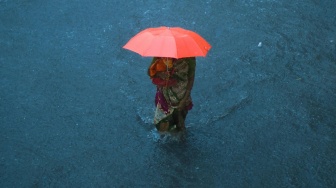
(169, 96)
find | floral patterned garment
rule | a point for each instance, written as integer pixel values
(168, 98)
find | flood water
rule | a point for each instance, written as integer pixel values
(76, 110)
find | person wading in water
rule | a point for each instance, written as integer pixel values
(174, 79)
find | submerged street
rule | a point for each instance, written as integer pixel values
(76, 109)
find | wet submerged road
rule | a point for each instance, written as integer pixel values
(76, 109)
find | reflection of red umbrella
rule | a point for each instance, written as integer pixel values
(172, 42)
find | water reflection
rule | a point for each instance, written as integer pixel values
(175, 159)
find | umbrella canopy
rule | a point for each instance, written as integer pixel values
(174, 42)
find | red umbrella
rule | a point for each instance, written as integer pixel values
(171, 42)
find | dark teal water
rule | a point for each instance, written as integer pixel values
(76, 109)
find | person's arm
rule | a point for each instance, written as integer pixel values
(191, 73)
(191, 78)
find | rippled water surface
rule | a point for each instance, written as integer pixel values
(76, 109)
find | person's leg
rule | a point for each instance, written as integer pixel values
(180, 119)
(184, 114)
(163, 126)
